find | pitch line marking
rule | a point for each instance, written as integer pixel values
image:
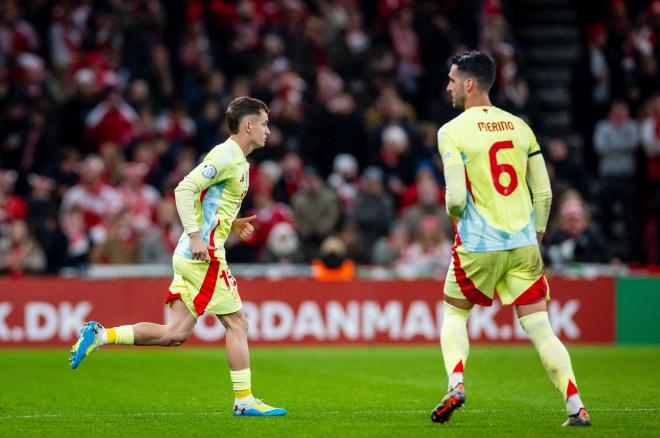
(174, 414)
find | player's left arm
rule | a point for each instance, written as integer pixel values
(539, 184)
(454, 169)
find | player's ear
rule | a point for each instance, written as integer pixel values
(470, 83)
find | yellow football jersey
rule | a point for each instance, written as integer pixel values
(221, 182)
(494, 147)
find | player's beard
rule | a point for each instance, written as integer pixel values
(458, 101)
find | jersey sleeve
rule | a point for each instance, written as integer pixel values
(534, 148)
(215, 168)
(539, 184)
(448, 148)
(454, 169)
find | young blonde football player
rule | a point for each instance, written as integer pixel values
(208, 200)
(490, 156)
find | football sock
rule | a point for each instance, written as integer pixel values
(454, 342)
(122, 335)
(241, 381)
(573, 402)
(554, 356)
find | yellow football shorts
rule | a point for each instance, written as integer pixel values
(204, 286)
(516, 275)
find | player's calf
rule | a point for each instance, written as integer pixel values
(174, 338)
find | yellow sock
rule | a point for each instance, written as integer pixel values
(454, 342)
(111, 333)
(122, 335)
(241, 381)
(242, 393)
(553, 354)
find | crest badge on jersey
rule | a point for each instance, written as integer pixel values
(209, 171)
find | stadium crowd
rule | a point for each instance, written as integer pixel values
(106, 105)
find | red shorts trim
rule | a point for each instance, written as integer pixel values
(208, 287)
(536, 292)
(171, 296)
(468, 289)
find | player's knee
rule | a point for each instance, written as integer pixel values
(239, 325)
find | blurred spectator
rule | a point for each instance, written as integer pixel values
(76, 108)
(159, 74)
(372, 211)
(158, 242)
(574, 239)
(208, 124)
(428, 204)
(139, 95)
(13, 128)
(139, 198)
(91, 195)
(650, 136)
(16, 34)
(388, 249)
(405, 42)
(396, 159)
(411, 194)
(79, 243)
(599, 67)
(349, 234)
(145, 127)
(19, 252)
(292, 176)
(40, 202)
(517, 100)
(66, 172)
(115, 240)
(43, 222)
(567, 167)
(113, 120)
(332, 264)
(344, 179)
(335, 126)
(316, 210)
(269, 213)
(175, 125)
(615, 140)
(388, 109)
(429, 254)
(283, 245)
(11, 205)
(37, 152)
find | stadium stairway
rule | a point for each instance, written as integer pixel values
(548, 33)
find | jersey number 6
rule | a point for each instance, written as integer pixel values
(497, 169)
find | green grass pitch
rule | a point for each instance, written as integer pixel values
(378, 391)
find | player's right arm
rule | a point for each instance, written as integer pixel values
(539, 184)
(454, 169)
(210, 171)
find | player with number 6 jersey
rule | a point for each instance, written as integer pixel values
(490, 159)
(493, 147)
